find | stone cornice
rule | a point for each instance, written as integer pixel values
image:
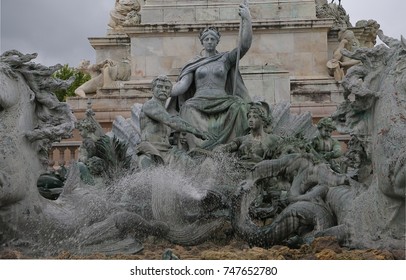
(110, 40)
(226, 26)
(207, 3)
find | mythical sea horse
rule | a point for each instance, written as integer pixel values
(371, 213)
(31, 120)
(376, 216)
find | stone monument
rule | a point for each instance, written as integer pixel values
(278, 182)
(293, 41)
(163, 41)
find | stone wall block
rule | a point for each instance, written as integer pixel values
(282, 88)
(147, 46)
(229, 14)
(179, 15)
(138, 66)
(207, 14)
(175, 45)
(152, 15)
(158, 65)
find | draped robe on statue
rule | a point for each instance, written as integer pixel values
(222, 114)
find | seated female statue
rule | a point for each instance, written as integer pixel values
(259, 143)
(204, 92)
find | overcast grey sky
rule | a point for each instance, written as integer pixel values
(58, 29)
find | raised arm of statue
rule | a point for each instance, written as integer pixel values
(209, 39)
(246, 32)
(210, 93)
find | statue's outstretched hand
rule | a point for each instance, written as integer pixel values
(204, 135)
(244, 11)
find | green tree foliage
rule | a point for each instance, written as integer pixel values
(64, 74)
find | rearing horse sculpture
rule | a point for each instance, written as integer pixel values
(378, 115)
(371, 213)
(31, 119)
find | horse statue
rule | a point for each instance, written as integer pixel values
(370, 212)
(377, 115)
(31, 119)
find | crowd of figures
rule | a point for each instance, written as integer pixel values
(284, 173)
(290, 169)
(211, 156)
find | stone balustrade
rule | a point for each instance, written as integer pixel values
(63, 153)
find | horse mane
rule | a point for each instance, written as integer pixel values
(54, 119)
